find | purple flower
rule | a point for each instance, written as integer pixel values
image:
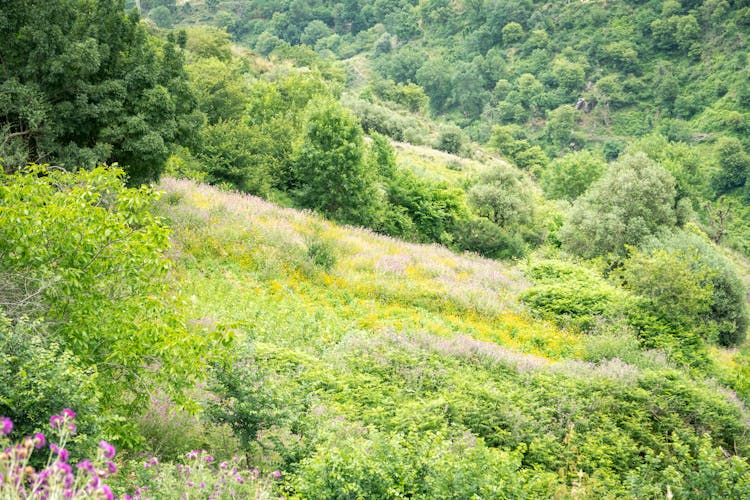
(208, 458)
(55, 421)
(6, 425)
(63, 467)
(107, 492)
(276, 474)
(61, 452)
(86, 465)
(111, 467)
(39, 440)
(109, 450)
(67, 412)
(203, 484)
(72, 427)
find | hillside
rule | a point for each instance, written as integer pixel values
(391, 249)
(392, 368)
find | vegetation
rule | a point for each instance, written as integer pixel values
(471, 249)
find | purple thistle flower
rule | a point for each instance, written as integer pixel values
(63, 467)
(6, 425)
(86, 465)
(55, 421)
(109, 450)
(111, 467)
(276, 474)
(208, 458)
(72, 427)
(203, 484)
(67, 412)
(39, 440)
(107, 492)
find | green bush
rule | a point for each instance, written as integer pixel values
(574, 296)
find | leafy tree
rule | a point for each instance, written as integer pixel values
(220, 89)
(451, 139)
(734, 163)
(90, 255)
(727, 318)
(560, 125)
(330, 165)
(111, 92)
(236, 153)
(512, 33)
(634, 199)
(569, 177)
(162, 16)
(503, 196)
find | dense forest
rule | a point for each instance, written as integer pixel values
(425, 249)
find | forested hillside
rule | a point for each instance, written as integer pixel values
(435, 249)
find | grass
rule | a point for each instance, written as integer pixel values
(246, 263)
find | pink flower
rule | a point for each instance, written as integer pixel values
(6, 425)
(276, 474)
(111, 467)
(107, 492)
(109, 450)
(39, 440)
(55, 421)
(67, 412)
(86, 465)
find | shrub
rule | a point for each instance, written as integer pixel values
(574, 296)
(632, 201)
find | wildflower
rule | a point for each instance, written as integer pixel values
(203, 484)
(67, 412)
(107, 492)
(85, 465)
(208, 458)
(109, 450)
(39, 440)
(153, 461)
(111, 467)
(276, 474)
(62, 453)
(55, 421)
(6, 425)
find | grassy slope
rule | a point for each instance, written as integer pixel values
(410, 338)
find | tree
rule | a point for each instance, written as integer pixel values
(90, 254)
(568, 177)
(734, 165)
(503, 196)
(110, 91)
(236, 153)
(330, 165)
(634, 199)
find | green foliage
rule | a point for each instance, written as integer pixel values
(634, 199)
(734, 163)
(92, 254)
(568, 177)
(574, 296)
(509, 142)
(503, 196)
(726, 320)
(331, 168)
(480, 235)
(435, 209)
(220, 89)
(237, 154)
(451, 139)
(40, 378)
(110, 92)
